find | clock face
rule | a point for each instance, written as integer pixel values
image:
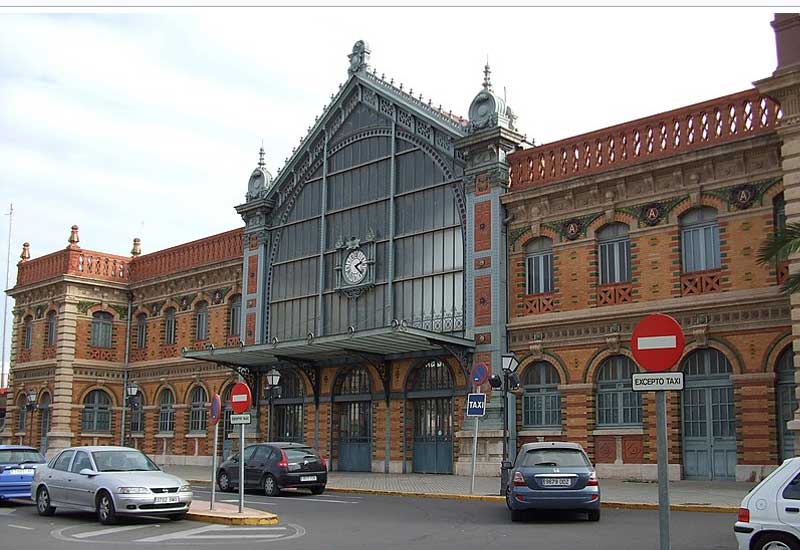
(355, 267)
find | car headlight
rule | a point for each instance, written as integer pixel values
(133, 490)
(185, 489)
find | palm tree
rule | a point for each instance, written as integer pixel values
(777, 248)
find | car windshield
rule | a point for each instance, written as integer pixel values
(297, 454)
(557, 458)
(123, 461)
(20, 456)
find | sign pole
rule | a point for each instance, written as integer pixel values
(241, 468)
(474, 457)
(214, 465)
(663, 472)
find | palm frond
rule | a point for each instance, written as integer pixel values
(780, 245)
(791, 284)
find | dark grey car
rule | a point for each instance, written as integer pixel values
(275, 466)
(553, 476)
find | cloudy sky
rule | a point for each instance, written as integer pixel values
(148, 124)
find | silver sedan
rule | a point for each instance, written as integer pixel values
(110, 481)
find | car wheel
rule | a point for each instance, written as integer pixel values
(270, 486)
(224, 483)
(517, 515)
(777, 541)
(594, 515)
(43, 505)
(177, 517)
(106, 514)
(318, 490)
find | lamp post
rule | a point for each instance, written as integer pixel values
(131, 390)
(509, 365)
(30, 405)
(273, 379)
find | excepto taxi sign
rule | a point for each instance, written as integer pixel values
(657, 381)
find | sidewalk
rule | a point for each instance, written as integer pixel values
(700, 494)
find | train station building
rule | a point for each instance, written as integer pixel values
(399, 246)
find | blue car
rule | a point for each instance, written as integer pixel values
(17, 466)
(553, 476)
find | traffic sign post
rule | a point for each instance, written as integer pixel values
(241, 399)
(657, 345)
(476, 407)
(216, 409)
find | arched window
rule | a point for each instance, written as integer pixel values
(22, 413)
(97, 412)
(614, 254)
(141, 331)
(201, 319)
(27, 337)
(166, 411)
(51, 329)
(169, 326)
(779, 213)
(197, 412)
(706, 362)
(700, 240)
(102, 326)
(355, 382)
(432, 376)
(617, 403)
(235, 317)
(539, 266)
(541, 402)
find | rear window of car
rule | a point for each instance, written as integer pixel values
(20, 456)
(297, 454)
(557, 458)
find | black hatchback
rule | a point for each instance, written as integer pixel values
(275, 466)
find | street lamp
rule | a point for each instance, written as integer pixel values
(509, 364)
(30, 405)
(273, 379)
(132, 390)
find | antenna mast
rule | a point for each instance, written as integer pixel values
(5, 300)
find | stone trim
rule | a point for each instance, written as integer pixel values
(576, 387)
(753, 377)
(540, 433)
(619, 431)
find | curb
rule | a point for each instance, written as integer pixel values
(233, 520)
(497, 498)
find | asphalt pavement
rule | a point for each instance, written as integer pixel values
(352, 522)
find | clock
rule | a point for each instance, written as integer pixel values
(355, 267)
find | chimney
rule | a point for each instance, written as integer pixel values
(787, 40)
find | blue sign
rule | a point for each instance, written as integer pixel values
(479, 374)
(476, 404)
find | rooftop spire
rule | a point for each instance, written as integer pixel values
(261, 163)
(487, 76)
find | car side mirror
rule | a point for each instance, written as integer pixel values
(506, 465)
(87, 472)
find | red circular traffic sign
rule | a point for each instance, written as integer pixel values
(216, 409)
(479, 374)
(657, 342)
(241, 398)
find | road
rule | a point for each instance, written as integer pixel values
(352, 522)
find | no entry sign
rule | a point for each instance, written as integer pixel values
(241, 398)
(657, 342)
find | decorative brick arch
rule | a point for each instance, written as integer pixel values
(45, 389)
(602, 221)
(170, 303)
(138, 310)
(375, 381)
(201, 296)
(101, 387)
(775, 350)
(550, 358)
(705, 200)
(191, 388)
(100, 308)
(771, 192)
(723, 347)
(457, 375)
(156, 401)
(590, 372)
(529, 235)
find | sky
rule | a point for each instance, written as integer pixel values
(148, 124)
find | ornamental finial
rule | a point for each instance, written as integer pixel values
(73, 237)
(487, 76)
(261, 163)
(26, 252)
(137, 247)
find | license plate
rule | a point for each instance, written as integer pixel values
(165, 500)
(556, 482)
(21, 471)
(308, 478)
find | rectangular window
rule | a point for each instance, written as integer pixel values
(51, 330)
(236, 313)
(166, 419)
(700, 248)
(197, 419)
(101, 334)
(540, 273)
(169, 329)
(614, 260)
(137, 421)
(141, 334)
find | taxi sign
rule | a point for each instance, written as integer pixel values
(476, 404)
(657, 381)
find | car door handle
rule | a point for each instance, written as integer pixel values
(792, 510)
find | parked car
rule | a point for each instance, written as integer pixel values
(553, 476)
(275, 466)
(769, 516)
(17, 465)
(110, 481)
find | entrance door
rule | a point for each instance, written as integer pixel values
(709, 420)
(433, 436)
(355, 444)
(787, 402)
